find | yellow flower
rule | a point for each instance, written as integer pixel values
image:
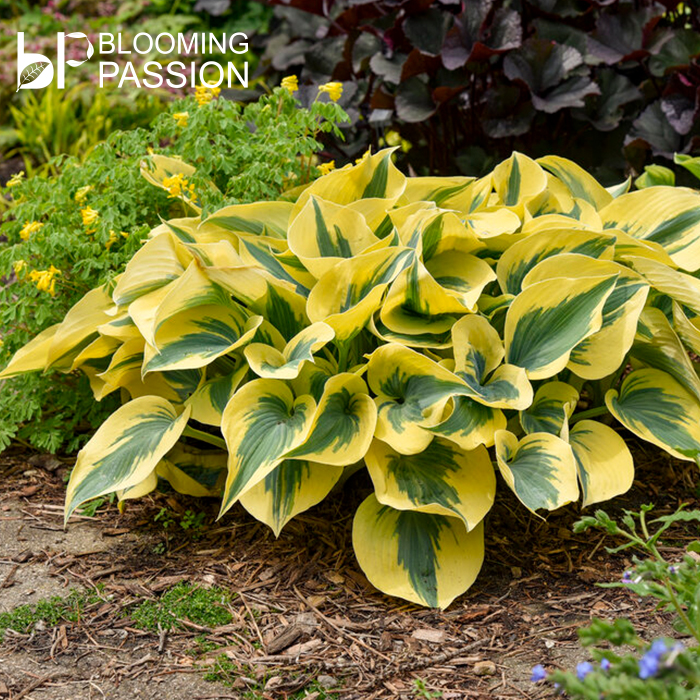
(334, 90)
(181, 118)
(81, 194)
(29, 228)
(44, 279)
(16, 179)
(90, 216)
(366, 154)
(178, 186)
(325, 168)
(113, 238)
(204, 94)
(290, 83)
(19, 266)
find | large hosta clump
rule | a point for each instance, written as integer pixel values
(424, 328)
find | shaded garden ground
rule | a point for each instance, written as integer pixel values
(299, 618)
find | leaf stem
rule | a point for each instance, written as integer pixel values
(204, 437)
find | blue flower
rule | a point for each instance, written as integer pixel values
(627, 576)
(604, 664)
(538, 673)
(583, 669)
(658, 648)
(672, 570)
(648, 665)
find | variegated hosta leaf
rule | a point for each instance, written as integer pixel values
(289, 489)
(324, 233)
(120, 327)
(127, 360)
(601, 353)
(175, 386)
(422, 557)
(262, 423)
(444, 191)
(411, 392)
(210, 399)
(540, 469)
(33, 356)
(413, 340)
(343, 425)
(478, 352)
(143, 310)
(434, 233)
(258, 218)
(667, 215)
(683, 288)
(518, 179)
(658, 346)
(192, 472)
(688, 328)
(417, 304)
(375, 178)
(79, 328)
(577, 180)
(442, 479)
(521, 257)
(161, 260)
(550, 411)
(489, 223)
(628, 246)
(139, 490)
(546, 321)
(184, 229)
(605, 464)
(655, 407)
(270, 363)
(464, 276)
(347, 296)
(125, 450)
(470, 424)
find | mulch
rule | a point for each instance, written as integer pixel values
(304, 611)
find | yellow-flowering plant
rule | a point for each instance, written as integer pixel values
(436, 330)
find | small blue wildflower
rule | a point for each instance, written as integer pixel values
(538, 673)
(627, 576)
(673, 570)
(648, 665)
(604, 665)
(583, 669)
(658, 648)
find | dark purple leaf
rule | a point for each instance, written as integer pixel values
(426, 30)
(414, 102)
(653, 129)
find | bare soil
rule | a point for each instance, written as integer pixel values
(304, 616)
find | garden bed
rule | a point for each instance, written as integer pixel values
(295, 616)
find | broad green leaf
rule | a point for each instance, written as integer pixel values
(658, 346)
(470, 424)
(33, 356)
(343, 425)
(411, 392)
(347, 296)
(656, 408)
(478, 352)
(540, 469)
(261, 423)
(324, 233)
(667, 215)
(161, 260)
(605, 465)
(654, 175)
(577, 180)
(551, 409)
(518, 179)
(270, 363)
(125, 450)
(422, 557)
(546, 321)
(289, 489)
(522, 256)
(443, 480)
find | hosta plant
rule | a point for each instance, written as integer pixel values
(433, 330)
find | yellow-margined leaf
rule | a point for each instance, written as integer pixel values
(33, 356)
(411, 393)
(422, 557)
(324, 233)
(443, 479)
(518, 179)
(687, 328)
(270, 363)
(258, 218)
(264, 252)
(444, 191)
(669, 216)
(343, 425)
(605, 464)
(577, 180)
(470, 424)
(289, 489)
(161, 260)
(261, 423)
(412, 340)
(120, 327)
(547, 320)
(210, 399)
(491, 223)
(139, 490)
(347, 296)
(626, 246)
(125, 450)
(550, 411)
(655, 407)
(683, 288)
(194, 473)
(540, 469)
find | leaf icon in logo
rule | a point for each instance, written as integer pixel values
(31, 73)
